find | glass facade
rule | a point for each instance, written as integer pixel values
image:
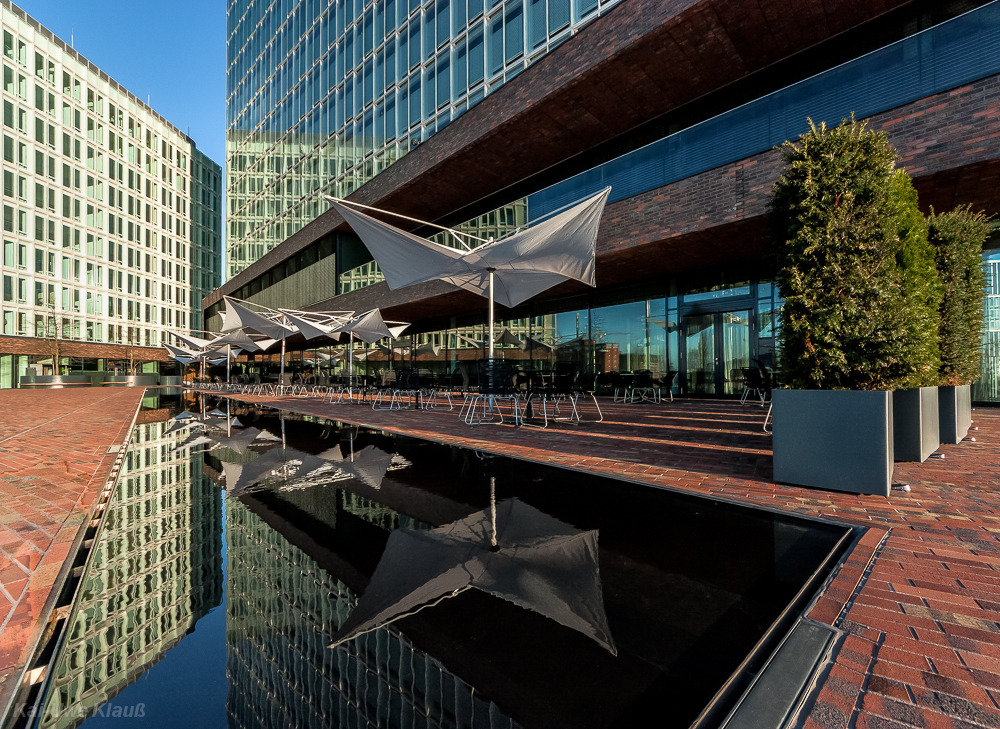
(987, 388)
(111, 215)
(702, 333)
(707, 333)
(322, 97)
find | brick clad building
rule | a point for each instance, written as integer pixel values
(679, 107)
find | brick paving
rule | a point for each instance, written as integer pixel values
(53, 462)
(917, 600)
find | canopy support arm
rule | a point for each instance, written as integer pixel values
(454, 233)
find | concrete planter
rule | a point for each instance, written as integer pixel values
(131, 381)
(955, 410)
(834, 439)
(54, 381)
(171, 384)
(915, 423)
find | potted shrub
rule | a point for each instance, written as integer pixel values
(958, 238)
(846, 246)
(915, 403)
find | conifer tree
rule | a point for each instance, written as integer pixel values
(958, 238)
(853, 265)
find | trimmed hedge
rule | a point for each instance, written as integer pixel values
(854, 265)
(958, 238)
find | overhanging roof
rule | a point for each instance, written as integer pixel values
(642, 60)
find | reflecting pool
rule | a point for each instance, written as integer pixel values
(238, 541)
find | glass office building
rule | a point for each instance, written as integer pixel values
(324, 96)
(111, 215)
(678, 292)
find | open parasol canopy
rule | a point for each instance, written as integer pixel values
(509, 271)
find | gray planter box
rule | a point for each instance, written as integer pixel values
(955, 409)
(915, 423)
(834, 439)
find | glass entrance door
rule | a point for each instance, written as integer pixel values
(717, 349)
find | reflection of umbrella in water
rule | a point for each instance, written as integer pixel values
(239, 440)
(512, 551)
(195, 439)
(367, 465)
(278, 462)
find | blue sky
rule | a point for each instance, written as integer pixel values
(171, 51)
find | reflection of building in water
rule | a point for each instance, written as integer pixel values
(283, 608)
(156, 570)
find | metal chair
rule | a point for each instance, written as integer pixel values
(496, 385)
(758, 382)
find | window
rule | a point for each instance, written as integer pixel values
(476, 56)
(495, 46)
(537, 29)
(513, 31)
(558, 15)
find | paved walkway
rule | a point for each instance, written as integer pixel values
(918, 599)
(54, 461)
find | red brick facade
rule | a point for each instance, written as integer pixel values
(949, 142)
(69, 348)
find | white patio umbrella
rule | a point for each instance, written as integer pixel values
(279, 324)
(268, 322)
(369, 327)
(509, 271)
(195, 349)
(181, 354)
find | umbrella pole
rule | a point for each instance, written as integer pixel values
(229, 355)
(493, 513)
(350, 365)
(489, 314)
(281, 378)
(490, 375)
